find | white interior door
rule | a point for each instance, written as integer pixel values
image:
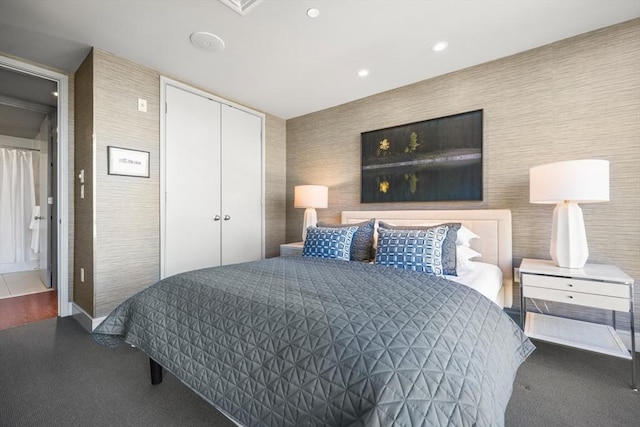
(45, 270)
(48, 228)
(192, 182)
(241, 186)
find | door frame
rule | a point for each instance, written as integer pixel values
(164, 82)
(62, 179)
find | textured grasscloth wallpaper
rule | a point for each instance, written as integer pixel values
(124, 256)
(275, 186)
(71, 181)
(83, 208)
(575, 99)
(127, 209)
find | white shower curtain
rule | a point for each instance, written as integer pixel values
(17, 199)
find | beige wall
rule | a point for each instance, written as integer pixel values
(83, 207)
(275, 186)
(127, 210)
(574, 99)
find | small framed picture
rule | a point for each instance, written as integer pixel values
(123, 161)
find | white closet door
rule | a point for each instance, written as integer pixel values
(241, 186)
(192, 182)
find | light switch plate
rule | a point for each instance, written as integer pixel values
(142, 105)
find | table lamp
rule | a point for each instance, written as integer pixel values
(310, 197)
(566, 184)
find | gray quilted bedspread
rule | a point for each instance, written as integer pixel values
(296, 341)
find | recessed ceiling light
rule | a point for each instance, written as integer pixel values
(440, 46)
(363, 73)
(314, 12)
(206, 41)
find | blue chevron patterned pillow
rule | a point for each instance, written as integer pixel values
(418, 250)
(362, 240)
(329, 242)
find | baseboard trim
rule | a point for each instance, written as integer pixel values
(85, 320)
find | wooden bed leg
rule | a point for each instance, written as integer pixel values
(156, 372)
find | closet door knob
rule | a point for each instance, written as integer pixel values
(227, 217)
(216, 218)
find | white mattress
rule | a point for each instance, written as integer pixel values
(484, 278)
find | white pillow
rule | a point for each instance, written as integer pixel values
(465, 235)
(463, 257)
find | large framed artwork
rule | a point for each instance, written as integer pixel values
(433, 160)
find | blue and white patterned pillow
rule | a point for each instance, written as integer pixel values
(362, 240)
(417, 250)
(448, 248)
(324, 242)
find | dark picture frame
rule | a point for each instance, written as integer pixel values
(127, 162)
(433, 160)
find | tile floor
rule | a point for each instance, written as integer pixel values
(22, 283)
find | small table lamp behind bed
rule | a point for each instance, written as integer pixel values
(310, 197)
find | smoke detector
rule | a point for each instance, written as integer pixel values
(240, 6)
(206, 41)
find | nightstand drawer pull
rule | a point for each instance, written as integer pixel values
(617, 290)
(589, 300)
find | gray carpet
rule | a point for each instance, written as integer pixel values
(52, 373)
(560, 386)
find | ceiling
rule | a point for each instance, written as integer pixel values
(25, 101)
(279, 60)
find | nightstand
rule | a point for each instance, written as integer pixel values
(291, 249)
(599, 286)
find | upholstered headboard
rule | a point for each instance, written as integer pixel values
(492, 225)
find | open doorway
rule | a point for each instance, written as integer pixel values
(30, 210)
(28, 142)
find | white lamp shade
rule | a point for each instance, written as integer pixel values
(580, 181)
(310, 196)
(567, 184)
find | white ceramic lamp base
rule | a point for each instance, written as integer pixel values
(568, 237)
(310, 220)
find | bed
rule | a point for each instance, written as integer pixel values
(309, 341)
(494, 242)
